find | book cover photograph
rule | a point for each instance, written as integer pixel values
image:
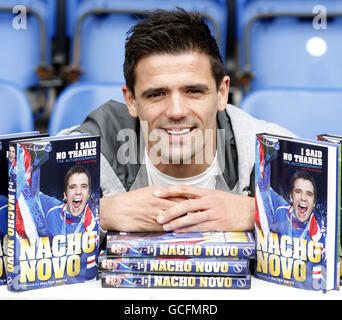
(53, 212)
(161, 265)
(297, 220)
(127, 280)
(193, 244)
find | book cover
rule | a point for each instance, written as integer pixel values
(127, 280)
(53, 212)
(297, 212)
(158, 265)
(193, 244)
(6, 156)
(334, 139)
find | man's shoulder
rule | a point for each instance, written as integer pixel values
(244, 124)
(107, 119)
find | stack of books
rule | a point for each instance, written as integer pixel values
(177, 260)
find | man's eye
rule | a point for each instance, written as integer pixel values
(194, 92)
(155, 94)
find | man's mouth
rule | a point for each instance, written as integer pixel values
(76, 203)
(302, 208)
(178, 132)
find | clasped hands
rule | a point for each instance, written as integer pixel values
(177, 208)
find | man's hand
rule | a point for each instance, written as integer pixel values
(134, 211)
(206, 210)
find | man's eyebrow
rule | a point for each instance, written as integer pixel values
(149, 91)
(199, 86)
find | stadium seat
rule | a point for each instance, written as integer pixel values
(306, 113)
(97, 30)
(76, 101)
(26, 31)
(15, 109)
(292, 43)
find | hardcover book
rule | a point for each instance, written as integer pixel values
(53, 212)
(193, 244)
(127, 280)
(6, 156)
(334, 139)
(297, 220)
(190, 266)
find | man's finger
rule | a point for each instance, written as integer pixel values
(186, 220)
(179, 191)
(180, 209)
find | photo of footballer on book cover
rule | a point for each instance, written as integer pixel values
(297, 212)
(53, 212)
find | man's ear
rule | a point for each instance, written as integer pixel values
(223, 94)
(130, 101)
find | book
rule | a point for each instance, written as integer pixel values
(297, 220)
(334, 139)
(189, 266)
(130, 280)
(53, 212)
(193, 244)
(6, 156)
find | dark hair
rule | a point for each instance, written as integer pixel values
(303, 175)
(78, 170)
(171, 32)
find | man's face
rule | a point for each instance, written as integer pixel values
(113, 280)
(109, 264)
(118, 249)
(303, 199)
(177, 98)
(77, 193)
(11, 154)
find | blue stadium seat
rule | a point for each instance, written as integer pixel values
(98, 29)
(306, 113)
(286, 43)
(25, 46)
(15, 109)
(76, 101)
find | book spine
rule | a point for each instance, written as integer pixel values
(113, 280)
(175, 266)
(11, 232)
(234, 250)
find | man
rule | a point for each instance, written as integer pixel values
(74, 215)
(196, 172)
(297, 219)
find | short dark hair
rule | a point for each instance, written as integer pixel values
(76, 169)
(301, 174)
(171, 32)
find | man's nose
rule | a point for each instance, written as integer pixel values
(176, 108)
(78, 190)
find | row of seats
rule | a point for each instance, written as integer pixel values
(96, 30)
(289, 58)
(287, 49)
(290, 43)
(280, 43)
(306, 112)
